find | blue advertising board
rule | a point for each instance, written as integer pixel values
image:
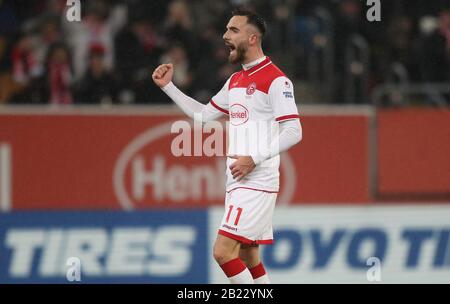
(104, 247)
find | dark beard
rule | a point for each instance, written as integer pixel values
(240, 52)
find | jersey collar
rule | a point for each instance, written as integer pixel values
(265, 61)
(247, 66)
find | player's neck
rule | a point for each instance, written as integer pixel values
(253, 59)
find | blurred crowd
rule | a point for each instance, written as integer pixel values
(108, 57)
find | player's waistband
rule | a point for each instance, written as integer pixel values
(253, 189)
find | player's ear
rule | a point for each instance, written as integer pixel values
(253, 39)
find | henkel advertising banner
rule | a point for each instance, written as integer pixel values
(127, 161)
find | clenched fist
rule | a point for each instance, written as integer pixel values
(163, 74)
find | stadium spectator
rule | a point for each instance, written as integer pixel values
(183, 75)
(7, 85)
(98, 86)
(348, 22)
(98, 27)
(54, 85)
(48, 34)
(25, 70)
(138, 47)
(25, 65)
(179, 29)
(60, 76)
(435, 52)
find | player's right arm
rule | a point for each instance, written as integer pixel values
(162, 76)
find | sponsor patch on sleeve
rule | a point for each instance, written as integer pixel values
(288, 95)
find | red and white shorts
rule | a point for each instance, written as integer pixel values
(248, 216)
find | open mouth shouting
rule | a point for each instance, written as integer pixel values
(231, 47)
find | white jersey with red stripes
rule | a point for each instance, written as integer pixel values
(256, 100)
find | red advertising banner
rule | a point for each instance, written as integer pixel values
(414, 153)
(124, 161)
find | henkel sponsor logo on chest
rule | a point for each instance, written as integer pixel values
(238, 114)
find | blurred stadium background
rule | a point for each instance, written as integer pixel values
(86, 169)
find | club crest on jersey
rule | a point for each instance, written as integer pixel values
(238, 114)
(251, 88)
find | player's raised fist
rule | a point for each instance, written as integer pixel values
(163, 74)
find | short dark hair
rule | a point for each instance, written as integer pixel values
(252, 18)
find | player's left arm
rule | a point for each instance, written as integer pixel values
(284, 107)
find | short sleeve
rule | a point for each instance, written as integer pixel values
(220, 100)
(282, 99)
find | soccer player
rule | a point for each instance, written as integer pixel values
(258, 95)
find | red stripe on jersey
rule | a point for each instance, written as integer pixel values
(242, 239)
(254, 189)
(258, 271)
(219, 108)
(287, 117)
(259, 65)
(233, 267)
(262, 78)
